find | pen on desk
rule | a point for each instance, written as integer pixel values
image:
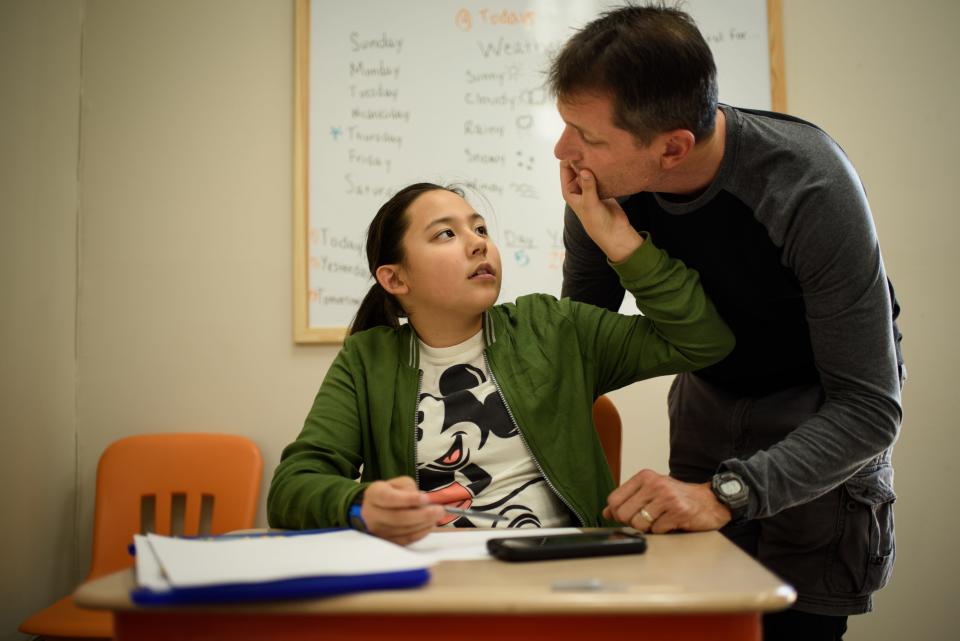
(487, 516)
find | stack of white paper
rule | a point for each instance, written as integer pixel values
(470, 544)
(163, 562)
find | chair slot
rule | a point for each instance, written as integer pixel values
(206, 514)
(148, 513)
(178, 507)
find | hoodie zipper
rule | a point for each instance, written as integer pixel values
(523, 440)
(416, 409)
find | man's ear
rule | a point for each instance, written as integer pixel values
(391, 280)
(676, 146)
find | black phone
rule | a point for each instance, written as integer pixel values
(567, 546)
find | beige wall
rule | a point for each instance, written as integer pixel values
(881, 76)
(39, 89)
(169, 260)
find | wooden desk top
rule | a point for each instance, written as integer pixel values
(699, 572)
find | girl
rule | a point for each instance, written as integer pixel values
(476, 405)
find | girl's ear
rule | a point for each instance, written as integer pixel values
(391, 280)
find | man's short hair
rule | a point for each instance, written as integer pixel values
(652, 61)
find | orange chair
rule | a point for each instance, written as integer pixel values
(179, 484)
(606, 419)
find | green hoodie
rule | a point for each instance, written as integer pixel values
(549, 359)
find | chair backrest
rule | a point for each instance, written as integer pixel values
(606, 419)
(182, 484)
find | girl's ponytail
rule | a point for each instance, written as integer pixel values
(377, 308)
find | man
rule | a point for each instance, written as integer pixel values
(786, 443)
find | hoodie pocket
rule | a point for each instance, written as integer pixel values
(861, 559)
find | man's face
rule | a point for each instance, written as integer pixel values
(591, 141)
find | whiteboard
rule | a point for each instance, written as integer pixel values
(390, 93)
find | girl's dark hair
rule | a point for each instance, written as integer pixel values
(654, 63)
(385, 247)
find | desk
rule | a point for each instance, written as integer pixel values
(686, 586)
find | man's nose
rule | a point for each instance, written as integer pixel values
(564, 149)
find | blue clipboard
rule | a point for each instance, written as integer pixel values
(285, 589)
(298, 588)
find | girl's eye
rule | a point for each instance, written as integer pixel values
(482, 230)
(446, 233)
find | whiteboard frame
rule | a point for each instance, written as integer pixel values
(303, 333)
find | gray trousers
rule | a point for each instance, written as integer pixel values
(837, 549)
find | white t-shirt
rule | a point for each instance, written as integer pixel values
(470, 453)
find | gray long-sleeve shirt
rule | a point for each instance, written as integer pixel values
(787, 250)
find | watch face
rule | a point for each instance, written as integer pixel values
(731, 487)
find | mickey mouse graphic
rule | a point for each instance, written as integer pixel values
(466, 440)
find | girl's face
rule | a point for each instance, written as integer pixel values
(451, 268)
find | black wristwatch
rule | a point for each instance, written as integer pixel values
(730, 490)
